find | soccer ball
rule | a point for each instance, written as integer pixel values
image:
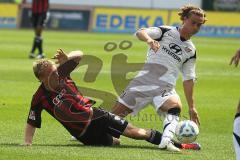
(186, 131)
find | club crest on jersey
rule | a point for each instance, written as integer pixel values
(187, 49)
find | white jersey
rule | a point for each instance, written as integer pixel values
(175, 54)
(236, 135)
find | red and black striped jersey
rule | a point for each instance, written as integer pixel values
(67, 105)
(40, 6)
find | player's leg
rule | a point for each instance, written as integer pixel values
(38, 33)
(34, 20)
(172, 108)
(38, 23)
(121, 110)
(130, 102)
(119, 126)
(39, 41)
(236, 133)
(133, 99)
(38, 36)
(152, 136)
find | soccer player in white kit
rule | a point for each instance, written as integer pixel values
(236, 133)
(170, 51)
(236, 125)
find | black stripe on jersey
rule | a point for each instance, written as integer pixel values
(164, 30)
(237, 115)
(166, 126)
(193, 57)
(237, 138)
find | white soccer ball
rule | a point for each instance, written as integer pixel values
(186, 131)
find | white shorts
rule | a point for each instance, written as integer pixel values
(136, 98)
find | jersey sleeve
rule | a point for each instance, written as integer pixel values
(153, 32)
(65, 69)
(34, 116)
(188, 69)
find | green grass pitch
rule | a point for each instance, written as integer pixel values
(216, 94)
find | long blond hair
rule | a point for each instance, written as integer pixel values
(187, 11)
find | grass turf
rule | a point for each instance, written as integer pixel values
(217, 92)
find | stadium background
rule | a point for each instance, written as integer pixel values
(110, 16)
(89, 25)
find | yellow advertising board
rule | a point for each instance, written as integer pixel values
(8, 10)
(214, 18)
(8, 15)
(126, 20)
(218, 24)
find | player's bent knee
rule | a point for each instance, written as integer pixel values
(174, 111)
(172, 102)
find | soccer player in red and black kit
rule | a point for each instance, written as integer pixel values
(60, 97)
(39, 16)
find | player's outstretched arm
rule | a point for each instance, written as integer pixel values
(235, 59)
(188, 90)
(29, 133)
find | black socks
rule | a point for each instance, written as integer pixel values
(37, 43)
(155, 137)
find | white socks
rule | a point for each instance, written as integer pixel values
(170, 122)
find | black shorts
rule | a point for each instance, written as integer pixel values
(39, 19)
(103, 127)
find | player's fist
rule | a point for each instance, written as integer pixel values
(154, 45)
(60, 56)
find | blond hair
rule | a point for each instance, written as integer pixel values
(39, 65)
(187, 11)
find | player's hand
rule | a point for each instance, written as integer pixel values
(154, 45)
(61, 57)
(194, 115)
(235, 59)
